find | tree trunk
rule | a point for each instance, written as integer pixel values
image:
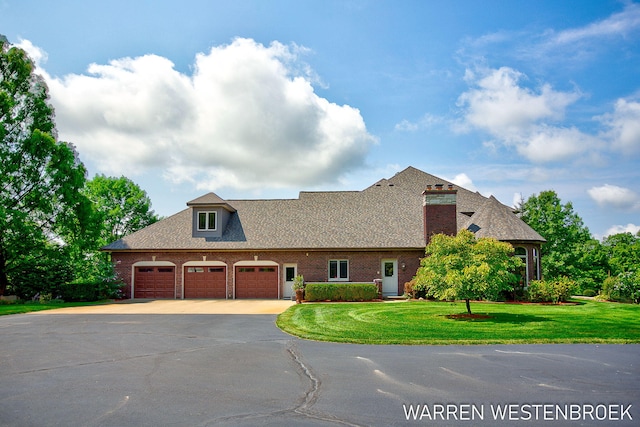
(468, 306)
(4, 281)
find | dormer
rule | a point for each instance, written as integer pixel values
(210, 215)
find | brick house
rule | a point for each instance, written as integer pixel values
(220, 248)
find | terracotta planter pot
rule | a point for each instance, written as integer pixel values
(299, 295)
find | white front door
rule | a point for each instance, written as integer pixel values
(389, 270)
(290, 272)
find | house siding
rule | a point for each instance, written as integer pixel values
(364, 266)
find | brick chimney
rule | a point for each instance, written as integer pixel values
(439, 207)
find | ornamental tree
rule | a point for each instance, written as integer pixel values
(463, 267)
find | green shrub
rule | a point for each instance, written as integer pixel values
(539, 291)
(589, 293)
(75, 292)
(340, 291)
(557, 290)
(607, 292)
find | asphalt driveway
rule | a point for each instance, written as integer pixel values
(74, 368)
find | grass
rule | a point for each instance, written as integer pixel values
(27, 307)
(423, 322)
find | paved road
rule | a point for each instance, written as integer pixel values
(240, 370)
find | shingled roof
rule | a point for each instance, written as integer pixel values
(386, 215)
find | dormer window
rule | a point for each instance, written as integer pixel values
(207, 221)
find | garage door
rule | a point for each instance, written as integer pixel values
(154, 282)
(205, 282)
(256, 282)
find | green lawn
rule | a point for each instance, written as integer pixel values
(422, 322)
(26, 307)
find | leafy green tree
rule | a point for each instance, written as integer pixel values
(623, 252)
(564, 230)
(41, 205)
(461, 267)
(593, 262)
(122, 205)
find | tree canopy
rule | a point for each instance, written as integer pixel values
(41, 205)
(122, 205)
(461, 267)
(563, 229)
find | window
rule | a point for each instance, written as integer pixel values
(522, 272)
(339, 270)
(207, 221)
(290, 273)
(536, 263)
(388, 269)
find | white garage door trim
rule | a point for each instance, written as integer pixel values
(255, 263)
(151, 264)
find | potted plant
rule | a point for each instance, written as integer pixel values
(298, 288)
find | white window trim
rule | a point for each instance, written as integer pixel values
(337, 279)
(207, 213)
(525, 258)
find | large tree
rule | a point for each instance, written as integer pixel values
(463, 267)
(123, 206)
(567, 236)
(41, 205)
(623, 252)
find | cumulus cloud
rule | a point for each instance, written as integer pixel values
(521, 118)
(501, 106)
(624, 124)
(248, 117)
(617, 197)
(617, 229)
(463, 180)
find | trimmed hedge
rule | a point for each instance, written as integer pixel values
(340, 291)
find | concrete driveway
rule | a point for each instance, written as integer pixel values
(69, 368)
(195, 306)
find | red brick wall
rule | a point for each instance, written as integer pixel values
(364, 266)
(439, 219)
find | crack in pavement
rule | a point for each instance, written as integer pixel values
(311, 395)
(303, 408)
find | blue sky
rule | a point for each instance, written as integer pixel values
(263, 99)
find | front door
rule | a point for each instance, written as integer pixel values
(389, 277)
(290, 271)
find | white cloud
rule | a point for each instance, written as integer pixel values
(247, 117)
(617, 197)
(502, 107)
(37, 55)
(617, 229)
(463, 180)
(618, 24)
(624, 125)
(548, 143)
(524, 119)
(426, 122)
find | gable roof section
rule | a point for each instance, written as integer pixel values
(210, 200)
(494, 219)
(387, 214)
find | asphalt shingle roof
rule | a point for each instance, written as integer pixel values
(387, 214)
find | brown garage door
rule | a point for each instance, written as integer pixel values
(257, 282)
(205, 282)
(154, 282)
